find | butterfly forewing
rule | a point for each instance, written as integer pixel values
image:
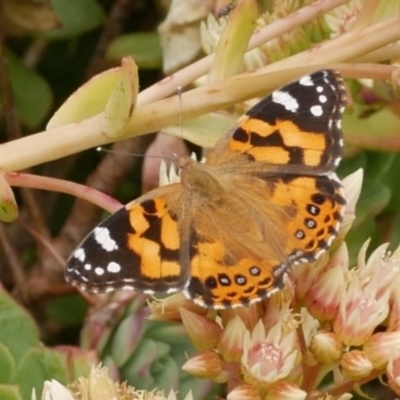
(295, 129)
(135, 248)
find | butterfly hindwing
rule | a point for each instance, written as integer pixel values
(240, 254)
(226, 273)
(309, 207)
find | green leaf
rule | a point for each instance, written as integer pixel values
(150, 365)
(38, 365)
(8, 205)
(166, 373)
(377, 131)
(121, 103)
(393, 181)
(10, 392)
(375, 196)
(204, 131)
(76, 17)
(232, 44)
(92, 97)
(127, 337)
(18, 331)
(379, 164)
(171, 333)
(357, 237)
(351, 164)
(22, 17)
(67, 310)
(32, 94)
(144, 47)
(8, 211)
(395, 232)
(7, 365)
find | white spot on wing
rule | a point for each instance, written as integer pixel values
(113, 267)
(99, 271)
(87, 267)
(322, 98)
(316, 111)
(103, 238)
(80, 254)
(313, 210)
(306, 81)
(286, 100)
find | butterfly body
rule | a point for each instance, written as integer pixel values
(266, 199)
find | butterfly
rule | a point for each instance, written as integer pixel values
(267, 198)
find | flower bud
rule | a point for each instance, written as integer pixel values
(381, 347)
(231, 344)
(393, 374)
(249, 315)
(283, 390)
(203, 332)
(356, 365)
(168, 308)
(323, 298)
(326, 347)
(244, 392)
(207, 365)
(360, 313)
(305, 275)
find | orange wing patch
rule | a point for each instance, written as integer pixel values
(311, 210)
(284, 140)
(155, 239)
(320, 205)
(220, 279)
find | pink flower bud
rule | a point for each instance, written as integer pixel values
(356, 365)
(382, 347)
(283, 390)
(231, 344)
(207, 365)
(326, 347)
(204, 332)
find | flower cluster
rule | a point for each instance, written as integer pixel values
(99, 386)
(291, 42)
(330, 318)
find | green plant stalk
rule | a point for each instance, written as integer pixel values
(69, 139)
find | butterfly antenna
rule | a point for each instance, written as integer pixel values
(104, 150)
(179, 91)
